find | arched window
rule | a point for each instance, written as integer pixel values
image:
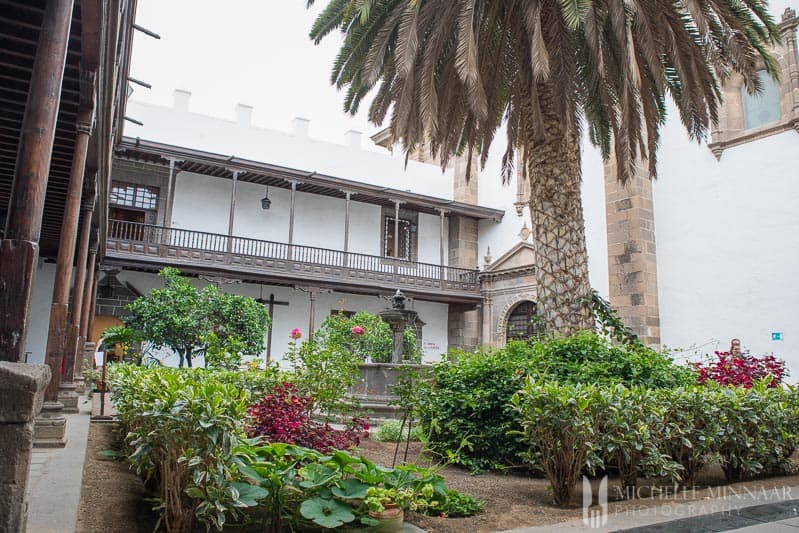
(523, 322)
(764, 108)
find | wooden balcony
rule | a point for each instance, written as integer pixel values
(150, 247)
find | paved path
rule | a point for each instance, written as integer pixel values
(765, 509)
(55, 478)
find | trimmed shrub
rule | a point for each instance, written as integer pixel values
(465, 407)
(560, 422)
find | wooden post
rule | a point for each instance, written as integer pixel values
(291, 217)
(66, 247)
(170, 200)
(19, 250)
(441, 247)
(74, 343)
(270, 308)
(396, 229)
(88, 292)
(346, 228)
(232, 215)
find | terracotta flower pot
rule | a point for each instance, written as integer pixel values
(391, 518)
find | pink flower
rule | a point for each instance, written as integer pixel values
(357, 330)
(296, 333)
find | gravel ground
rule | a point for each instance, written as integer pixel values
(112, 497)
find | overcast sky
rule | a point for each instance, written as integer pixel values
(254, 52)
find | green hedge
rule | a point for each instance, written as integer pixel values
(570, 428)
(466, 410)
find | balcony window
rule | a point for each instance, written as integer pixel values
(404, 235)
(136, 196)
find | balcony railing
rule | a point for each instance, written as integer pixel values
(269, 258)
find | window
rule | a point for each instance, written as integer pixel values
(130, 195)
(404, 235)
(523, 322)
(764, 108)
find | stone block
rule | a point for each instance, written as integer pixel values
(21, 395)
(21, 386)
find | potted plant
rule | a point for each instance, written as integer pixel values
(386, 506)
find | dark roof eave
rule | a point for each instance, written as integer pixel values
(131, 147)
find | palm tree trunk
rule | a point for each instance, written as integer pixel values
(556, 214)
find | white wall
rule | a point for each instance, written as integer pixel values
(39, 317)
(297, 313)
(726, 234)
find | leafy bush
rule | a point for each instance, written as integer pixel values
(282, 416)
(390, 432)
(465, 408)
(560, 423)
(323, 374)
(759, 431)
(742, 370)
(182, 430)
(631, 427)
(365, 336)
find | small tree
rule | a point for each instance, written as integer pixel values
(181, 317)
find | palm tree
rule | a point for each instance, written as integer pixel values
(454, 71)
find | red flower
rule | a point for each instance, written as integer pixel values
(357, 330)
(296, 333)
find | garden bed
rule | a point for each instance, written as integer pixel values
(112, 497)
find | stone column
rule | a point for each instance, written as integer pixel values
(463, 326)
(21, 395)
(19, 250)
(463, 321)
(632, 261)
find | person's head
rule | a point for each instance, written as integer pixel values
(735, 347)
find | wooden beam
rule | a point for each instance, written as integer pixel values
(20, 248)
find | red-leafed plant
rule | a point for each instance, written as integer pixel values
(282, 416)
(741, 370)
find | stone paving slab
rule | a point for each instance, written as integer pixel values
(55, 478)
(775, 509)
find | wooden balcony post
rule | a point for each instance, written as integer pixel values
(19, 250)
(346, 228)
(170, 200)
(396, 229)
(232, 216)
(291, 218)
(74, 343)
(57, 332)
(441, 234)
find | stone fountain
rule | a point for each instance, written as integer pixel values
(400, 319)
(374, 390)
